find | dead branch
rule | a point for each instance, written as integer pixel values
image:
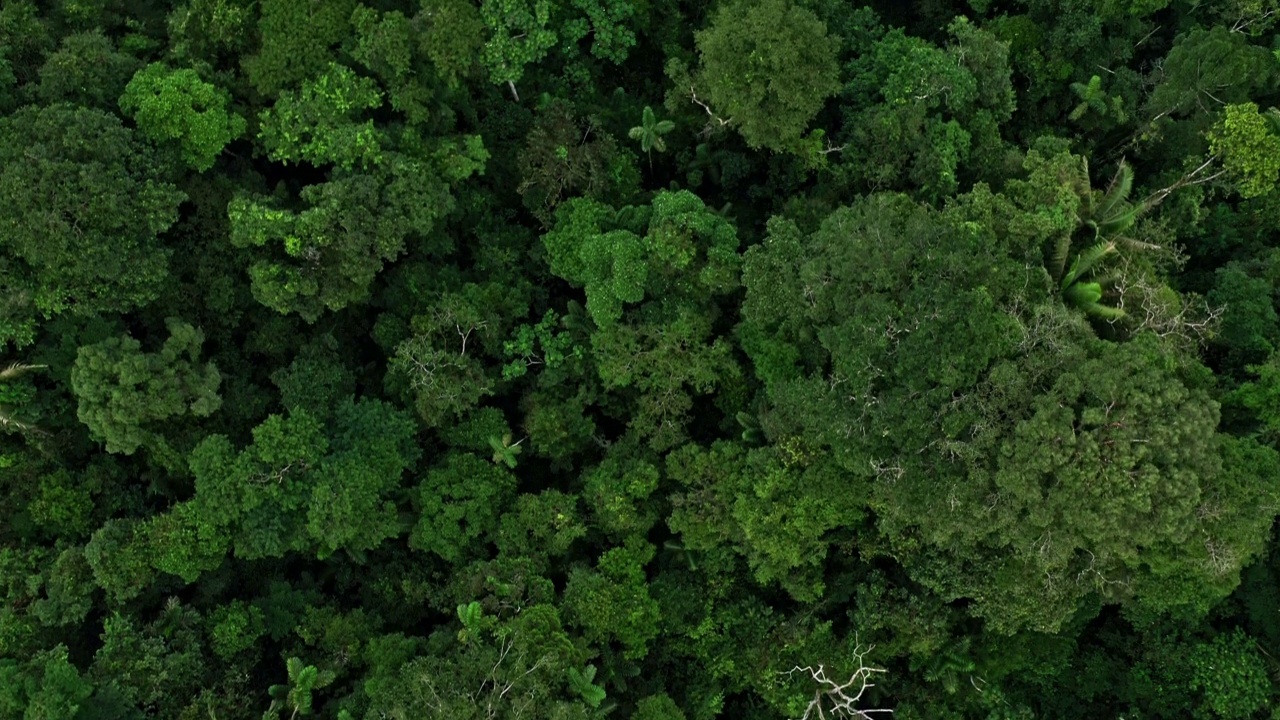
(716, 122)
(834, 699)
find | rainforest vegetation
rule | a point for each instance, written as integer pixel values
(639, 359)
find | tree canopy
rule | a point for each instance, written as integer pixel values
(639, 359)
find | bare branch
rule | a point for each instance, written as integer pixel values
(1221, 557)
(887, 472)
(1186, 320)
(835, 699)
(1241, 24)
(1192, 178)
(716, 122)
(832, 149)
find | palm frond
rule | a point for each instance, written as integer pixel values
(1272, 116)
(1058, 255)
(1087, 297)
(1117, 193)
(1129, 243)
(1107, 281)
(1103, 312)
(1090, 257)
(1083, 294)
(9, 422)
(1079, 183)
(17, 369)
(1109, 227)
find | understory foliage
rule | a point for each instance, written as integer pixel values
(603, 359)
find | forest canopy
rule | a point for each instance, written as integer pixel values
(639, 359)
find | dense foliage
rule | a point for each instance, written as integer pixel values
(648, 359)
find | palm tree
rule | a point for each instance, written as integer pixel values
(1094, 98)
(650, 131)
(504, 451)
(1103, 220)
(13, 372)
(751, 432)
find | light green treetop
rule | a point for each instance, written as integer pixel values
(518, 35)
(318, 124)
(297, 41)
(1249, 145)
(677, 243)
(176, 105)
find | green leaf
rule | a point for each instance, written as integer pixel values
(581, 683)
(470, 614)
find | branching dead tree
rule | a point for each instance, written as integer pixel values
(1188, 321)
(508, 691)
(887, 472)
(716, 122)
(1243, 23)
(839, 699)
(1220, 557)
(1198, 176)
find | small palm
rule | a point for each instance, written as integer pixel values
(1092, 97)
(504, 451)
(650, 131)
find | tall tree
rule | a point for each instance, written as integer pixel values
(767, 67)
(87, 70)
(177, 106)
(937, 431)
(83, 205)
(380, 193)
(126, 396)
(1248, 142)
(298, 488)
(297, 41)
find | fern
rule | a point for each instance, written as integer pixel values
(1092, 97)
(470, 614)
(504, 451)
